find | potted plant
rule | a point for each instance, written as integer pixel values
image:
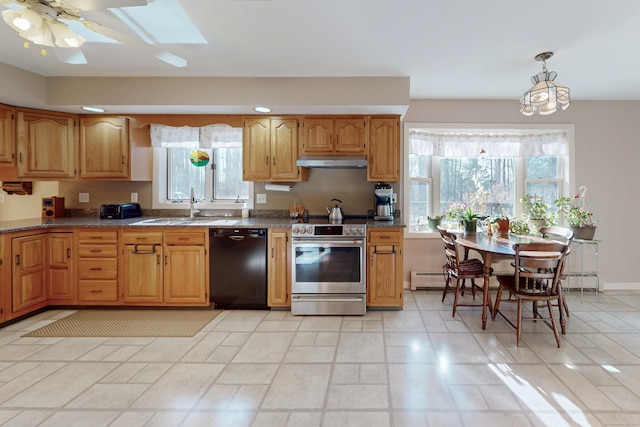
(580, 218)
(519, 226)
(502, 221)
(470, 219)
(538, 213)
(434, 221)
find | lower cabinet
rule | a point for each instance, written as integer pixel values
(164, 268)
(29, 272)
(384, 269)
(97, 266)
(60, 289)
(279, 268)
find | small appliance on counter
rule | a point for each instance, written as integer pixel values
(52, 207)
(120, 211)
(383, 202)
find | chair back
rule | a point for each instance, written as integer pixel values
(538, 267)
(450, 249)
(559, 234)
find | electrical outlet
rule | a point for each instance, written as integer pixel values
(134, 197)
(83, 197)
(261, 198)
(1, 196)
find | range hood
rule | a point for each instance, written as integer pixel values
(332, 162)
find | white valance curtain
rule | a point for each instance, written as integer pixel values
(210, 136)
(460, 144)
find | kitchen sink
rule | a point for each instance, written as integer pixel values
(186, 221)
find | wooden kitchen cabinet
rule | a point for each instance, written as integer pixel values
(96, 257)
(29, 278)
(384, 149)
(142, 267)
(279, 268)
(186, 271)
(270, 150)
(333, 135)
(7, 135)
(60, 289)
(104, 148)
(384, 270)
(46, 144)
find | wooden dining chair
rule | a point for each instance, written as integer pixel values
(536, 278)
(459, 268)
(563, 235)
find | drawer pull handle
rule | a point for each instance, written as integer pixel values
(96, 291)
(152, 251)
(95, 250)
(183, 238)
(95, 268)
(95, 237)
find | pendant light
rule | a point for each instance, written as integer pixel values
(546, 96)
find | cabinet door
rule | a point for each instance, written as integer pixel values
(384, 150)
(7, 136)
(104, 147)
(142, 267)
(350, 135)
(384, 280)
(256, 150)
(60, 283)
(317, 135)
(29, 271)
(185, 275)
(279, 273)
(284, 150)
(46, 145)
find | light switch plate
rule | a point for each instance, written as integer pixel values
(134, 197)
(261, 198)
(83, 197)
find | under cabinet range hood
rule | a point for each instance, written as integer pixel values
(332, 162)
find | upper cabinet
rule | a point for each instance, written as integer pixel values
(333, 135)
(384, 149)
(270, 150)
(46, 143)
(104, 148)
(7, 136)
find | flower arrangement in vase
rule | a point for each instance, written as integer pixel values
(539, 213)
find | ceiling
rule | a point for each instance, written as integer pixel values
(449, 49)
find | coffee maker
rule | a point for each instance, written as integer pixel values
(383, 202)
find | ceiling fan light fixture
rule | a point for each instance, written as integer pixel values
(65, 36)
(23, 21)
(545, 96)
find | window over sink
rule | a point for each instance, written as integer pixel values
(207, 158)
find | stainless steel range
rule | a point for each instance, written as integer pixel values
(329, 270)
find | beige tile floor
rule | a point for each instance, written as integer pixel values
(416, 367)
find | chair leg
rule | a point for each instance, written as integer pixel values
(447, 283)
(553, 323)
(519, 322)
(563, 323)
(455, 298)
(496, 306)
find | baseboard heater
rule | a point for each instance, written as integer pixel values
(426, 279)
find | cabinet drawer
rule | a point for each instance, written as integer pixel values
(98, 236)
(97, 290)
(98, 268)
(184, 238)
(133, 238)
(384, 237)
(97, 251)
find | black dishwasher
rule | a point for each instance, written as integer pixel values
(238, 268)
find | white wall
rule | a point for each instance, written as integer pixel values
(606, 162)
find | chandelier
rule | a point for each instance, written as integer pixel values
(41, 27)
(546, 96)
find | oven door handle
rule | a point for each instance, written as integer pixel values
(346, 241)
(321, 299)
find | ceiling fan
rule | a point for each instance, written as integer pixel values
(42, 22)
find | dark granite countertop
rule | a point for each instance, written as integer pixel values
(147, 222)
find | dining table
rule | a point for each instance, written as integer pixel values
(492, 248)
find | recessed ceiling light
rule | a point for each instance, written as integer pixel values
(93, 109)
(262, 109)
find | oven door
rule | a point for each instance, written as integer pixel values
(328, 266)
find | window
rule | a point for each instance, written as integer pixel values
(489, 169)
(217, 184)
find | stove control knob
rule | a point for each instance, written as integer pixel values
(310, 229)
(294, 230)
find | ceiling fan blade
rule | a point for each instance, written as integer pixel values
(104, 4)
(160, 54)
(69, 55)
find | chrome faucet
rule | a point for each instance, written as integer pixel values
(192, 204)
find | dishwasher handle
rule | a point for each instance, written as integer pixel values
(236, 238)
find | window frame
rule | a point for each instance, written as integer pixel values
(159, 188)
(566, 170)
